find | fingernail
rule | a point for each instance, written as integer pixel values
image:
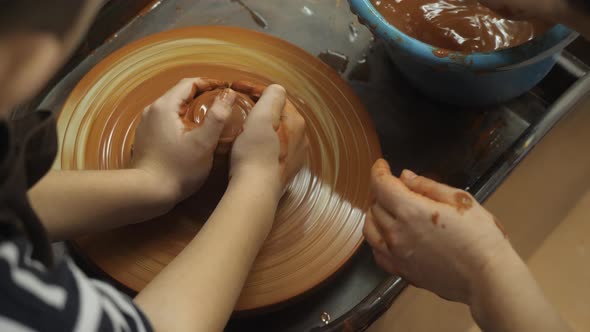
(228, 96)
(409, 175)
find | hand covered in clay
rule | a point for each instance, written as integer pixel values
(435, 236)
(164, 147)
(273, 142)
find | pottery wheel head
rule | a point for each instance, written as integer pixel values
(318, 224)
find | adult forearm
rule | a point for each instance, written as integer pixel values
(199, 289)
(73, 203)
(508, 299)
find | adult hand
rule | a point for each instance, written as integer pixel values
(273, 144)
(437, 237)
(180, 157)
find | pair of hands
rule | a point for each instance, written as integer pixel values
(181, 159)
(437, 237)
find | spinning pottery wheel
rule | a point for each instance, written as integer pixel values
(319, 221)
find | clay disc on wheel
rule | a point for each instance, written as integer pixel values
(319, 221)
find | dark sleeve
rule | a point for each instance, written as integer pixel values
(62, 298)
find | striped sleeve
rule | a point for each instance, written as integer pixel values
(63, 298)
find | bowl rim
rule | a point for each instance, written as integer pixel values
(541, 46)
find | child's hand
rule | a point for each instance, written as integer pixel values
(294, 142)
(180, 158)
(437, 237)
(273, 144)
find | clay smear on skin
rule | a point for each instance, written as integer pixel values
(463, 202)
(435, 218)
(500, 227)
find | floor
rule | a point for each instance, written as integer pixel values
(545, 207)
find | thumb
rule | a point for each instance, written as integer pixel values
(269, 107)
(216, 117)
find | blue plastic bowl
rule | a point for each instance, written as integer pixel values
(477, 79)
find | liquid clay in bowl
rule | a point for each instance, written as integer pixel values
(488, 74)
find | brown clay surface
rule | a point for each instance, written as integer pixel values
(458, 25)
(319, 221)
(199, 107)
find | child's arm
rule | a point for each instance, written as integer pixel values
(198, 290)
(170, 163)
(72, 203)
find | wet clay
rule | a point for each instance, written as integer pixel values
(457, 25)
(435, 217)
(199, 108)
(463, 202)
(319, 221)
